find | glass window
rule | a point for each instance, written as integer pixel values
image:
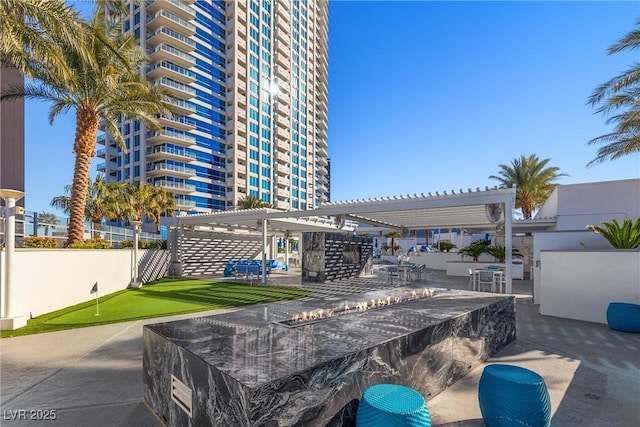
(266, 171)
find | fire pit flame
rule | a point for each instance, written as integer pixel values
(358, 307)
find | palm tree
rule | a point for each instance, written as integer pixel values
(101, 87)
(533, 181)
(30, 33)
(162, 203)
(619, 100)
(103, 201)
(252, 202)
(138, 201)
(625, 236)
(47, 220)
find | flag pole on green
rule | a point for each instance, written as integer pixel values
(94, 290)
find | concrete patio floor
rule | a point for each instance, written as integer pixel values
(93, 376)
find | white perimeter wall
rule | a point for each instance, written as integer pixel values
(48, 280)
(580, 285)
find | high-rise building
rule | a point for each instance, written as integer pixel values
(249, 79)
(11, 135)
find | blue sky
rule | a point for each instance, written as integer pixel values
(431, 96)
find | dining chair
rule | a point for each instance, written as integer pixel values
(485, 277)
(472, 282)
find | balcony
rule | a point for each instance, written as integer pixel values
(282, 134)
(284, 25)
(167, 35)
(284, 121)
(162, 152)
(283, 205)
(101, 167)
(283, 60)
(321, 161)
(236, 182)
(237, 154)
(169, 69)
(185, 203)
(321, 152)
(322, 114)
(321, 124)
(166, 18)
(237, 85)
(181, 106)
(322, 179)
(322, 143)
(284, 6)
(160, 169)
(283, 158)
(282, 108)
(178, 122)
(168, 52)
(321, 133)
(235, 10)
(175, 187)
(237, 126)
(283, 73)
(239, 56)
(177, 7)
(170, 136)
(175, 88)
(283, 181)
(283, 169)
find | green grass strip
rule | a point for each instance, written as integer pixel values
(165, 297)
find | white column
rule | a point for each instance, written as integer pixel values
(264, 250)
(287, 236)
(136, 240)
(508, 237)
(10, 197)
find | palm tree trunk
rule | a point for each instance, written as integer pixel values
(84, 148)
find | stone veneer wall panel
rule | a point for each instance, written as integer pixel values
(323, 256)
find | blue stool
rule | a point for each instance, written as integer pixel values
(623, 316)
(391, 405)
(513, 396)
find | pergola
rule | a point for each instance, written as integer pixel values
(469, 210)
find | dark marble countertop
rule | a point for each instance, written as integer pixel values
(252, 347)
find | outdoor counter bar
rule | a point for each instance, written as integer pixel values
(245, 368)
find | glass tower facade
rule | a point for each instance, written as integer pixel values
(249, 81)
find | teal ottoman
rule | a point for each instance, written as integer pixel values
(392, 405)
(624, 316)
(513, 396)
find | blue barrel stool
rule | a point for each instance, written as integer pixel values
(624, 316)
(513, 396)
(391, 405)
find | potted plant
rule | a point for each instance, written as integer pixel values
(621, 316)
(447, 246)
(475, 249)
(499, 252)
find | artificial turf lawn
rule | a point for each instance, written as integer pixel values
(164, 297)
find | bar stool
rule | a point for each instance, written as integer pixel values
(392, 405)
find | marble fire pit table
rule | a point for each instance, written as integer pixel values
(245, 368)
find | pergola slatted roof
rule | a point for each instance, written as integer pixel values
(465, 210)
(462, 209)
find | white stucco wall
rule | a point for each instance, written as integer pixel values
(581, 284)
(437, 260)
(577, 205)
(48, 280)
